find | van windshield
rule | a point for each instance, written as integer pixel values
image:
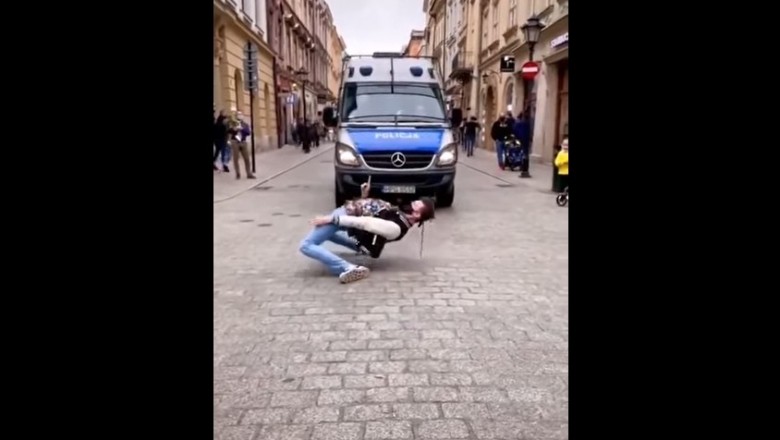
(402, 103)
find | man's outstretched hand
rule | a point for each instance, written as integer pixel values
(321, 220)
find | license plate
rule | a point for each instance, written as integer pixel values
(398, 189)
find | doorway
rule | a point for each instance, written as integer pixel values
(490, 118)
(562, 108)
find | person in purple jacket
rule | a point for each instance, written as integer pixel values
(239, 132)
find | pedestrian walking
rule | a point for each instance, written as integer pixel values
(304, 136)
(221, 147)
(314, 132)
(239, 132)
(456, 119)
(470, 130)
(499, 132)
(466, 118)
(522, 131)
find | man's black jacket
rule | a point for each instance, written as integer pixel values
(500, 130)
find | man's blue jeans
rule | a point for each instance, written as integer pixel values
(500, 153)
(469, 141)
(311, 246)
(226, 155)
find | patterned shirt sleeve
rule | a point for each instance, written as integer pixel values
(366, 207)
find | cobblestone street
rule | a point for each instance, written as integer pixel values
(469, 342)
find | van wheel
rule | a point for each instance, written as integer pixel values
(445, 199)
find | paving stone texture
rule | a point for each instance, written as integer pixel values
(469, 342)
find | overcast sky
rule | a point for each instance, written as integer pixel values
(369, 26)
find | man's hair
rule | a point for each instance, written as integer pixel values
(427, 213)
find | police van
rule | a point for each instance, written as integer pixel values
(392, 130)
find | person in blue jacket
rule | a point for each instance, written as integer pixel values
(522, 131)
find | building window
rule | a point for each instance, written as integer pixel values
(280, 37)
(485, 28)
(512, 20)
(451, 22)
(289, 43)
(495, 22)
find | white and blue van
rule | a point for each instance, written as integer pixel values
(393, 127)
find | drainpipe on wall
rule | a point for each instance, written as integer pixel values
(274, 39)
(444, 44)
(478, 79)
(277, 106)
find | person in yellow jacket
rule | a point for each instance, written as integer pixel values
(562, 163)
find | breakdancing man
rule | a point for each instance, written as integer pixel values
(365, 214)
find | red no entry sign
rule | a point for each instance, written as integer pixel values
(529, 70)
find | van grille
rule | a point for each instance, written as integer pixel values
(382, 159)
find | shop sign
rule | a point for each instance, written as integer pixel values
(560, 40)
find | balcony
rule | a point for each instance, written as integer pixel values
(462, 67)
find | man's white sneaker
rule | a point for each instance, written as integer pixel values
(353, 274)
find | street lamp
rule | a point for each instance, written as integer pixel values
(532, 30)
(301, 74)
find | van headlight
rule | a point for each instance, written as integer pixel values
(346, 155)
(448, 155)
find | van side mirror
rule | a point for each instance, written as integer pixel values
(329, 117)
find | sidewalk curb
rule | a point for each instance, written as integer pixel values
(487, 173)
(518, 182)
(274, 176)
(532, 183)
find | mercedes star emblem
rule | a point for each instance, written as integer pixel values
(398, 160)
